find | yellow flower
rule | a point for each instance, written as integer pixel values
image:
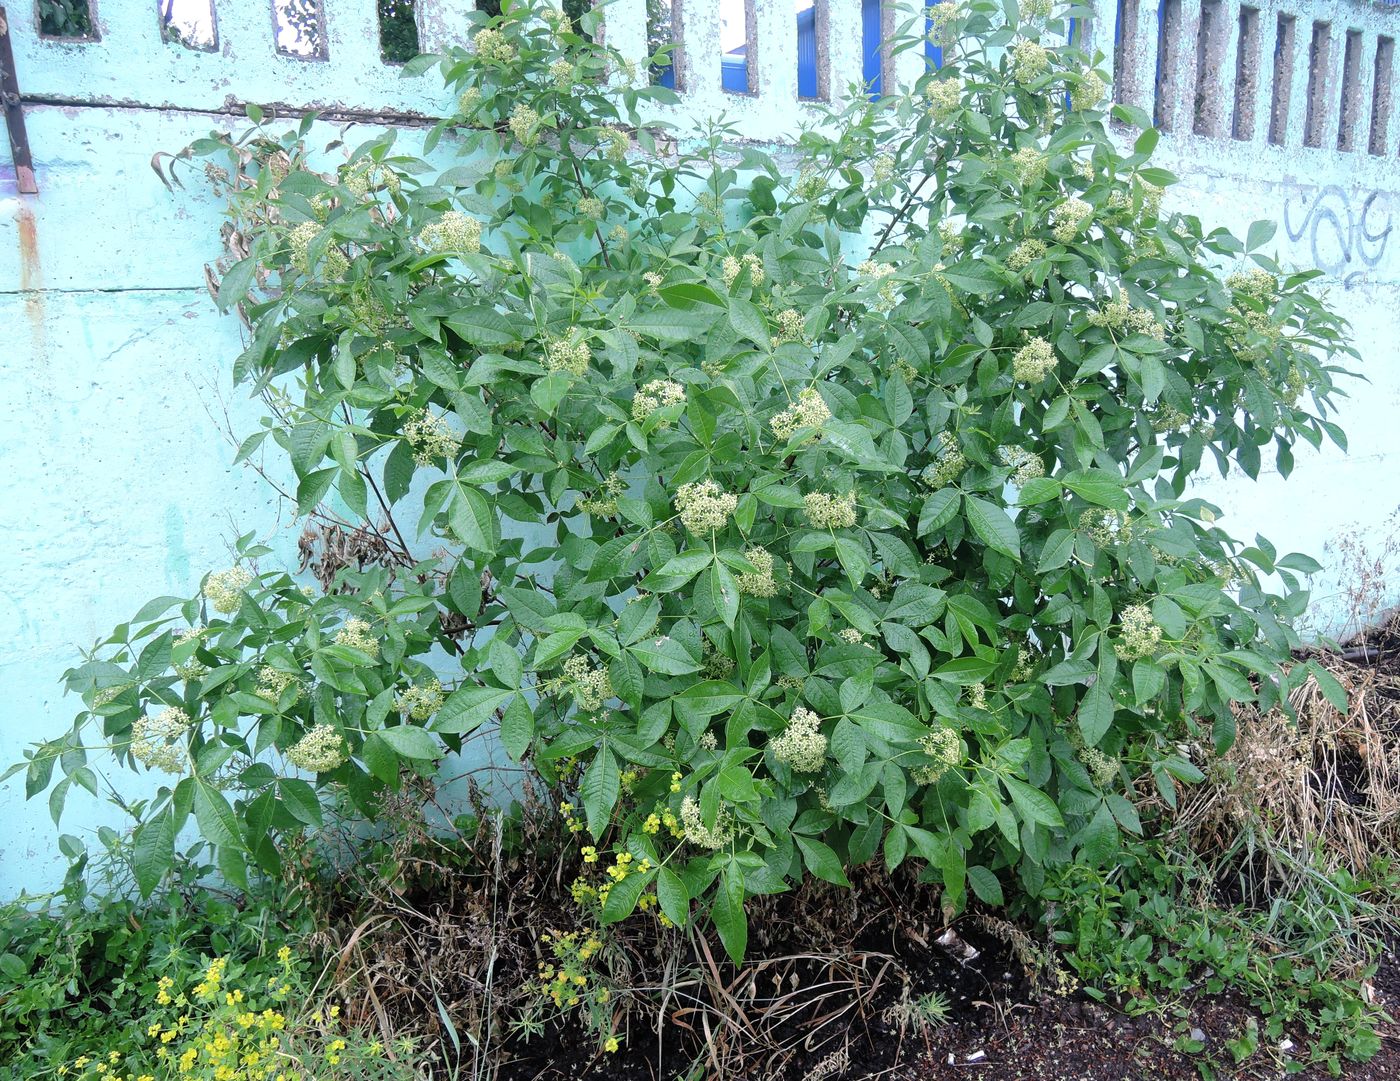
(610, 1044)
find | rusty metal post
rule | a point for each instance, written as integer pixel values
(14, 112)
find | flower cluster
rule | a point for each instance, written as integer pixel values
(1140, 633)
(1067, 218)
(1029, 59)
(1254, 282)
(1106, 527)
(319, 751)
(878, 273)
(561, 73)
(1024, 254)
(801, 746)
(791, 326)
(827, 510)
(732, 267)
(1102, 768)
(761, 583)
(591, 686)
(697, 833)
(192, 669)
(1088, 91)
(850, 636)
(944, 98)
(431, 438)
(1029, 164)
(945, 748)
(567, 355)
(704, 506)
(525, 124)
(950, 463)
(809, 411)
(658, 394)
(158, 742)
(941, 20)
(357, 634)
(469, 101)
(371, 176)
(272, 682)
(604, 504)
(224, 589)
(300, 240)
(882, 168)
(1024, 465)
(617, 141)
(1033, 362)
(1118, 314)
(453, 232)
(492, 45)
(420, 701)
(952, 237)
(591, 208)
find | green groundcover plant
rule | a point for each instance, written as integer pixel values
(784, 511)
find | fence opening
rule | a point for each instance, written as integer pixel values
(812, 33)
(1319, 57)
(662, 31)
(71, 19)
(1350, 106)
(1381, 95)
(1283, 79)
(1246, 75)
(398, 30)
(737, 29)
(301, 28)
(872, 41)
(189, 23)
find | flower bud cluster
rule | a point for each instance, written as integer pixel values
(761, 583)
(1033, 362)
(420, 701)
(224, 589)
(658, 394)
(950, 463)
(492, 45)
(1067, 218)
(945, 748)
(1024, 254)
(697, 833)
(453, 232)
(944, 98)
(1140, 633)
(801, 746)
(272, 682)
(157, 742)
(431, 439)
(704, 506)
(1024, 465)
(357, 634)
(319, 751)
(591, 686)
(1029, 60)
(827, 510)
(567, 355)
(809, 411)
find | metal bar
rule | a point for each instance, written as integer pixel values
(14, 112)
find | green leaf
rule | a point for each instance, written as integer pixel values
(674, 897)
(482, 326)
(469, 707)
(1034, 805)
(471, 519)
(728, 916)
(600, 788)
(747, 320)
(939, 509)
(991, 523)
(1097, 487)
(1333, 691)
(153, 851)
(1096, 714)
(724, 593)
(216, 819)
(821, 860)
(623, 897)
(665, 655)
(411, 742)
(985, 884)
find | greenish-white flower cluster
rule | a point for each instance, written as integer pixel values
(1140, 634)
(697, 833)
(828, 510)
(809, 411)
(273, 681)
(1254, 282)
(1106, 527)
(493, 46)
(1088, 91)
(431, 438)
(882, 168)
(371, 176)
(1024, 465)
(949, 464)
(658, 394)
(1067, 219)
(731, 267)
(590, 685)
(801, 746)
(616, 143)
(590, 208)
(358, 634)
(319, 751)
(1029, 164)
(1118, 314)
(567, 355)
(1102, 768)
(944, 746)
(791, 326)
(761, 582)
(1029, 60)
(224, 589)
(420, 701)
(158, 742)
(942, 20)
(944, 98)
(300, 239)
(525, 124)
(704, 506)
(1033, 362)
(193, 669)
(451, 233)
(1025, 254)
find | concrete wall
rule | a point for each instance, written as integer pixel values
(115, 478)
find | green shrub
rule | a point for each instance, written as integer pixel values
(783, 513)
